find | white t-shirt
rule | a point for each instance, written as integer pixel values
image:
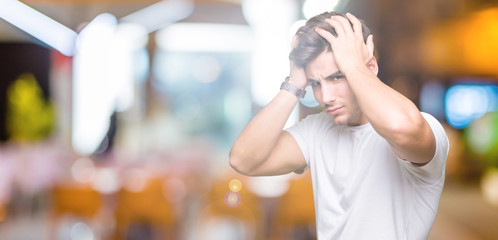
(362, 190)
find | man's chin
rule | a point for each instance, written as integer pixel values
(339, 120)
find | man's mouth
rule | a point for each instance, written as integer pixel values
(334, 111)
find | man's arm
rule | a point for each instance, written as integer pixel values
(391, 114)
(263, 148)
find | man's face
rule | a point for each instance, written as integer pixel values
(332, 91)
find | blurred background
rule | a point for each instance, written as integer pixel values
(116, 117)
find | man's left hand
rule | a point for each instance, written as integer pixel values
(349, 49)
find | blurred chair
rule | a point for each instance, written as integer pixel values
(294, 216)
(73, 203)
(3, 212)
(231, 214)
(144, 214)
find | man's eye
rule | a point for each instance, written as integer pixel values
(315, 83)
(339, 77)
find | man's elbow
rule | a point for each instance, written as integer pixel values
(408, 131)
(237, 163)
(415, 141)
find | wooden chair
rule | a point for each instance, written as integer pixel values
(74, 202)
(294, 217)
(239, 211)
(146, 211)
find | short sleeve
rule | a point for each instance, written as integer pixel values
(304, 132)
(433, 171)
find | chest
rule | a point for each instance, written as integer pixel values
(348, 161)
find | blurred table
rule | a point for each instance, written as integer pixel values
(464, 215)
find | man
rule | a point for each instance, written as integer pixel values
(377, 163)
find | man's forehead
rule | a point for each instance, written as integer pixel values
(321, 67)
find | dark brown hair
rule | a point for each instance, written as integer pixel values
(311, 44)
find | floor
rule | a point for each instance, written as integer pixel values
(463, 215)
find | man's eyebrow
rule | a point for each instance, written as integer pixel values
(310, 80)
(335, 75)
(331, 76)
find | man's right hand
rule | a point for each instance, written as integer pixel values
(297, 76)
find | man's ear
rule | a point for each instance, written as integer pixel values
(373, 66)
(370, 45)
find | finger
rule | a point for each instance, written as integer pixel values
(357, 27)
(345, 24)
(370, 45)
(326, 34)
(336, 24)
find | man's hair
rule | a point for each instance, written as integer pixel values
(311, 44)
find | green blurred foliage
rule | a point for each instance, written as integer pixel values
(29, 116)
(482, 136)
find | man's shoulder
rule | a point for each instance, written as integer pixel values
(312, 124)
(318, 117)
(436, 126)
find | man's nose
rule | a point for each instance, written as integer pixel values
(328, 93)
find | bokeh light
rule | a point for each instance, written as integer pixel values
(489, 186)
(175, 190)
(482, 134)
(135, 179)
(83, 170)
(314, 7)
(465, 103)
(232, 199)
(206, 69)
(309, 99)
(81, 231)
(432, 98)
(235, 185)
(181, 94)
(106, 181)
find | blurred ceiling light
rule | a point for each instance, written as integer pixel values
(131, 36)
(160, 14)
(94, 89)
(295, 26)
(270, 21)
(39, 26)
(315, 7)
(129, 42)
(205, 37)
(102, 26)
(263, 13)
